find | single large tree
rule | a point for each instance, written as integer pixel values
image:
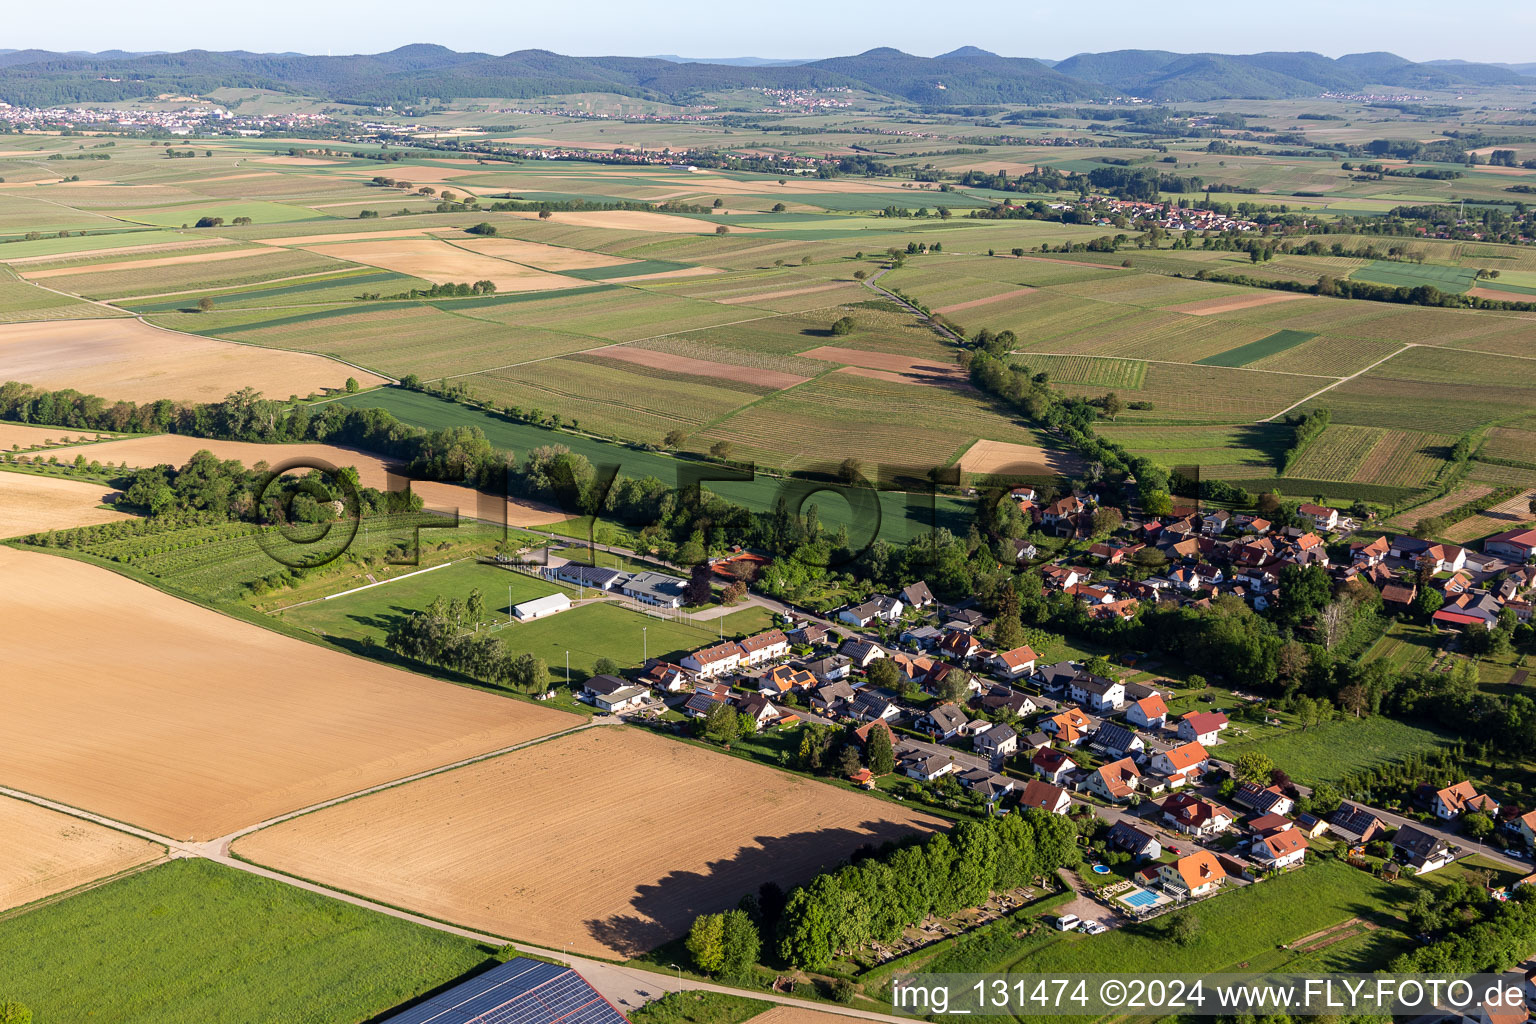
(881, 753)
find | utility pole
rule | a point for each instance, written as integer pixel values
(645, 648)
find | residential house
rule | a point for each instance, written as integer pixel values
(926, 767)
(863, 731)
(763, 647)
(1423, 851)
(869, 706)
(716, 661)
(1060, 577)
(1001, 698)
(1399, 597)
(1033, 742)
(1355, 824)
(665, 676)
(1516, 545)
(1025, 550)
(960, 646)
(862, 653)
(1197, 874)
(1117, 741)
(1215, 524)
(1474, 608)
(702, 703)
(611, 694)
(1069, 726)
(655, 588)
(938, 680)
(1279, 850)
(922, 636)
(1060, 509)
(876, 609)
(1182, 763)
(786, 679)
(1195, 816)
(832, 698)
(1526, 826)
(1372, 553)
(1115, 782)
(1452, 802)
(997, 743)
(1057, 676)
(917, 595)
(1202, 727)
(831, 669)
(1441, 557)
(1321, 517)
(1263, 799)
(1015, 663)
(1141, 844)
(1052, 765)
(1046, 797)
(763, 711)
(989, 784)
(1096, 693)
(812, 634)
(1148, 713)
(913, 667)
(944, 722)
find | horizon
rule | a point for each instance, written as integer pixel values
(613, 29)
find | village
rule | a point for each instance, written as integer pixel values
(1151, 790)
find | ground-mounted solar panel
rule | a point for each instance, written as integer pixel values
(520, 991)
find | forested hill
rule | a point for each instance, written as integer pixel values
(421, 72)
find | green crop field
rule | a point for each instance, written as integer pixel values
(1412, 275)
(1245, 355)
(191, 942)
(261, 265)
(187, 215)
(1106, 372)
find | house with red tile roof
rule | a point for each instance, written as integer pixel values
(1197, 874)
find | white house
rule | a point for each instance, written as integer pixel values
(998, 742)
(945, 721)
(1280, 850)
(1197, 874)
(763, 647)
(1015, 663)
(539, 607)
(876, 609)
(1202, 727)
(1184, 760)
(1046, 797)
(1096, 693)
(718, 660)
(1148, 713)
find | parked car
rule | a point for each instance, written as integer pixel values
(1095, 927)
(1067, 922)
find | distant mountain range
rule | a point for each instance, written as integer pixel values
(422, 72)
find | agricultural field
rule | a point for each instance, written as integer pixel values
(1328, 752)
(30, 503)
(1373, 455)
(496, 846)
(1412, 275)
(192, 723)
(46, 852)
(191, 941)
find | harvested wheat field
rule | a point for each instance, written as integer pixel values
(157, 261)
(43, 852)
(163, 714)
(632, 220)
(31, 504)
(539, 255)
(994, 457)
(441, 263)
(361, 234)
(372, 471)
(611, 839)
(125, 359)
(1231, 303)
(778, 379)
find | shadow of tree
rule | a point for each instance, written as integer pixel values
(664, 910)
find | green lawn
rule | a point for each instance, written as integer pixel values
(191, 942)
(1252, 352)
(1326, 753)
(1237, 928)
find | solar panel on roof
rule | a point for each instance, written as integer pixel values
(520, 991)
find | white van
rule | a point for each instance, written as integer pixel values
(1068, 922)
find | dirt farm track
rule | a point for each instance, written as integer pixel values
(611, 839)
(125, 701)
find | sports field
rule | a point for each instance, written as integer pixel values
(166, 715)
(591, 839)
(43, 852)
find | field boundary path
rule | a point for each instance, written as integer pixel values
(1341, 380)
(904, 304)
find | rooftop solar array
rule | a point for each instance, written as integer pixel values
(520, 991)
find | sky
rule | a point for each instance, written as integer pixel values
(1417, 29)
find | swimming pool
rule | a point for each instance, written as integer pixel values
(1101, 869)
(1140, 898)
